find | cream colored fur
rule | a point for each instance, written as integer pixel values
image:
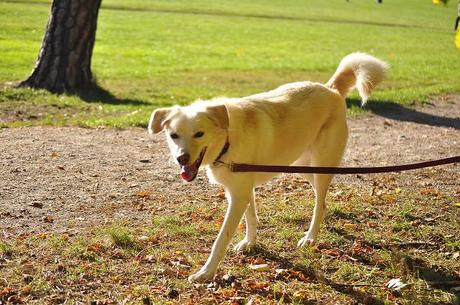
(301, 123)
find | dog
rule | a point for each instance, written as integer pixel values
(300, 123)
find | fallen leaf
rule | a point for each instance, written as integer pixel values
(48, 219)
(253, 284)
(260, 267)
(7, 292)
(96, 248)
(301, 294)
(297, 274)
(220, 195)
(281, 271)
(26, 290)
(331, 252)
(150, 258)
(359, 248)
(456, 204)
(219, 222)
(396, 284)
(350, 226)
(143, 194)
(27, 268)
(14, 299)
(143, 238)
(388, 199)
(158, 289)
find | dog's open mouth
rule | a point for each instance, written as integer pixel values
(189, 172)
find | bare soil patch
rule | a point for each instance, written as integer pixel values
(65, 178)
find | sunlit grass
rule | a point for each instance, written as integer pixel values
(151, 54)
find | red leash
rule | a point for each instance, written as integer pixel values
(238, 167)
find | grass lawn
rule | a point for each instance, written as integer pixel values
(154, 53)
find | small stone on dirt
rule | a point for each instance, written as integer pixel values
(172, 293)
(228, 279)
(36, 204)
(27, 278)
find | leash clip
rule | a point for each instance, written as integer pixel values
(219, 163)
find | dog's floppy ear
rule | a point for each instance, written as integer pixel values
(158, 119)
(219, 115)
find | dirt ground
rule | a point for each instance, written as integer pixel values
(66, 179)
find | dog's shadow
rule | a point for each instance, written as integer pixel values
(394, 111)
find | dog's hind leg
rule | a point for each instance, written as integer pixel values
(251, 220)
(327, 151)
(239, 196)
(321, 185)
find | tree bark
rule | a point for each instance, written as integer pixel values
(64, 60)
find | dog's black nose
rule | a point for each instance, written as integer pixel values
(183, 159)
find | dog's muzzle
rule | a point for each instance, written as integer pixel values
(189, 172)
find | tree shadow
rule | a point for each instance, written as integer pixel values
(436, 276)
(228, 14)
(316, 275)
(394, 111)
(96, 93)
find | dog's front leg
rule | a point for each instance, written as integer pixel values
(238, 202)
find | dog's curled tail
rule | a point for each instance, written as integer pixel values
(358, 70)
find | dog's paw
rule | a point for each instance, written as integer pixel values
(307, 240)
(244, 246)
(202, 276)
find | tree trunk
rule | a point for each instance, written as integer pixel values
(64, 60)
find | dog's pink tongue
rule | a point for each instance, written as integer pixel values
(186, 173)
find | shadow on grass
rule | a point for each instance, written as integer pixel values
(436, 276)
(96, 93)
(394, 111)
(316, 275)
(221, 13)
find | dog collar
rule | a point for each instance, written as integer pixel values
(222, 152)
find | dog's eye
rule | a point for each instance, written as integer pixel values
(174, 136)
(199, 134)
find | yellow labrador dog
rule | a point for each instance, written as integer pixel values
(300, 123)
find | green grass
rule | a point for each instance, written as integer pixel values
(155, 53)
(6, 249)
(121, 236)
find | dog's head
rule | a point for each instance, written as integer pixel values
(195, 134)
